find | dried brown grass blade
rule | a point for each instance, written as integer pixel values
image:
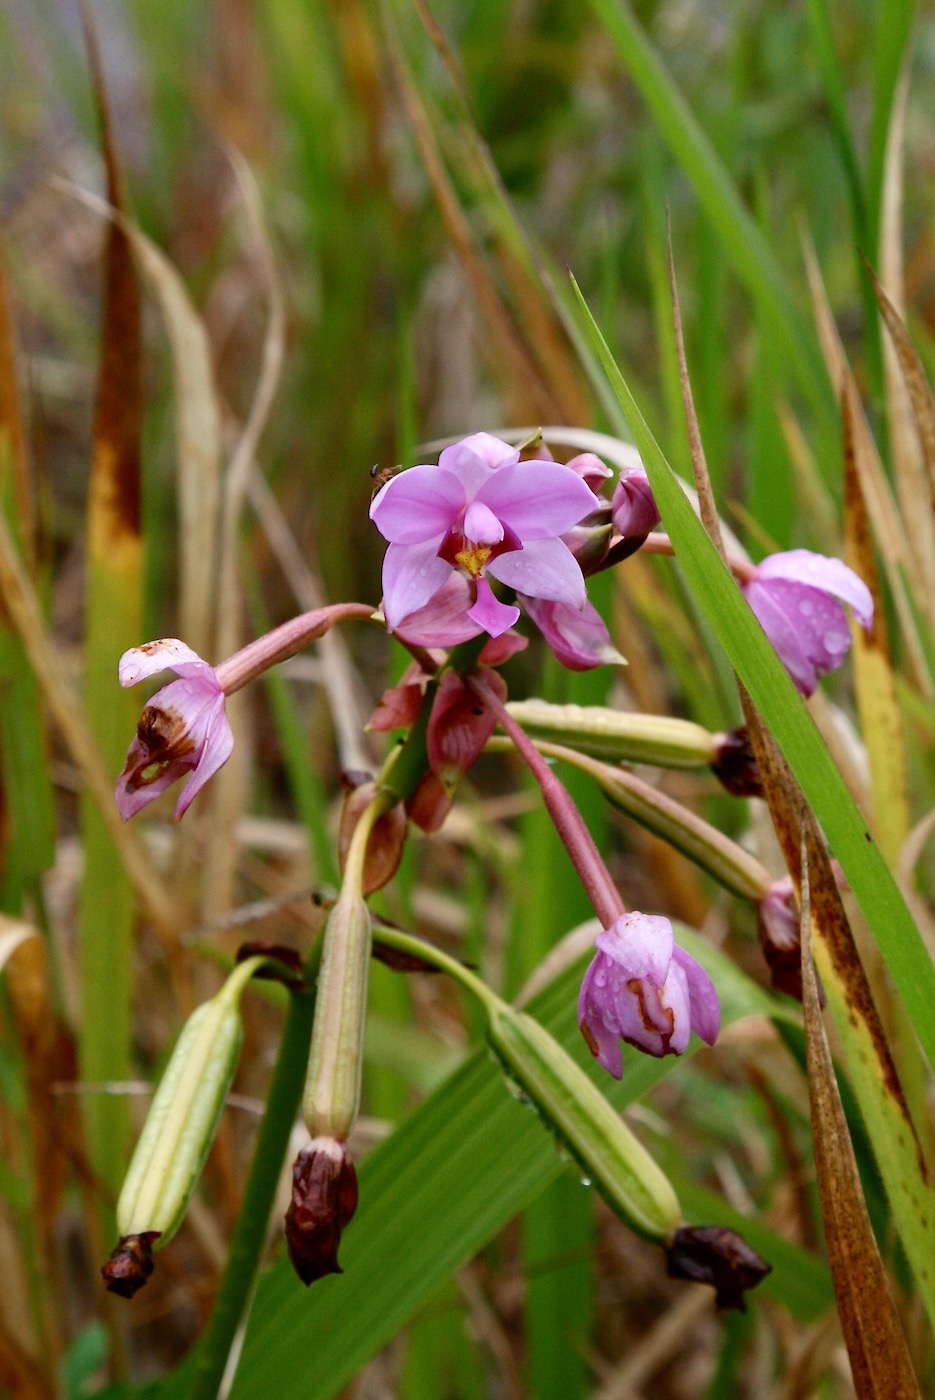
(910, 414)
(523, 370)
(901, 569)
(14, 441)
(880, 1363)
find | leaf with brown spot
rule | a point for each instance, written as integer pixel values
(879, 1358)
(881, 722)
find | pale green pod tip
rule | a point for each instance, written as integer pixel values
(604, 1147)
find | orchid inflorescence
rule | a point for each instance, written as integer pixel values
(489, 532)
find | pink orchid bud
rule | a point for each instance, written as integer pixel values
(576, 636)
(591, 469)
(484, 514)
(778, 929)
(643, 989)
(633, 504)
(182, 730)
(590, 539)
(796, 597)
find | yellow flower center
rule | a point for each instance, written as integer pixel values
(473, 558)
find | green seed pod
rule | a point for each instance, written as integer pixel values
(184, 1114)
(616, 735)
(332, 1085)
(597, 1137)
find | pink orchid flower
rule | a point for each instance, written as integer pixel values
(642, 988)
(797, 597)
(479, 512)
(183, 729)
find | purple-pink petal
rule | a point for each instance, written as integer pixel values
(537, 500)
(481, 526)
(576, 636)
(705, 1005)
(807, 627)
(641, 943)
(443, 621)
(489, 613)
(474, 459)
(633, 505)
(217, 746)
(602, 1036)
(818, 571)
(417, 505)
(167, 654)
(543, 569)
(412, 574)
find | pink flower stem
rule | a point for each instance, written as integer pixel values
(285, 641)
(659, 543)
(568, 821)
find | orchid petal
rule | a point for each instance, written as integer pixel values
(443, 621)
(542, 569)
(676, 999)
(537, 500)
(216, 749)
(807, 627)
(167, 654)
(705, 1005)
(602, 1038)
(481, 525)
(576, 636)
(417, 505)
(473, 459)
(489, 613)
(642, 943)
(412, 574)
(818, 571)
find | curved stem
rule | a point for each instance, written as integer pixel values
(569, 823)
(659, 543)
(427, 952)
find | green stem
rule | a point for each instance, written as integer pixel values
(427, 952)
(249, 1235)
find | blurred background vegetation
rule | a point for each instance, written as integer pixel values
(394, 167)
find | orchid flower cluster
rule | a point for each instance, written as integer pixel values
(488, 533)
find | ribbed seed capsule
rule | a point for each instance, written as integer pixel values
(616, 735)
(609, 1154)
(184, 1114)
(332, 1086)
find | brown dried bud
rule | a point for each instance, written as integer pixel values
(718, 1256)
(386, 842)
(324, 1199)
(290, 973)
(735, 764)
(130, 1265)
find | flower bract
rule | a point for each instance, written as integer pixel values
(643, 989)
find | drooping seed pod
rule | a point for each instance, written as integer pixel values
(178, 1133)
(595, 1134)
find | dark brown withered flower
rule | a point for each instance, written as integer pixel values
(777, 919)
(324, 1199)
(287, 967)
(735, 765)
(131, 1263)
(718, 1256)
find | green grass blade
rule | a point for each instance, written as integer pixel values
(782, 708)
(743, 242)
